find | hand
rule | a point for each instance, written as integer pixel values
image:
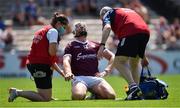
(100, 52)
(144, 62)
(68, 76)
(101, 74)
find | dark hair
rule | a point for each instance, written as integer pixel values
(59, 17)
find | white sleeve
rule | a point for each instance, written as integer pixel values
(52, 35)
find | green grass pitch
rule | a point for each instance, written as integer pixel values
(62, 91)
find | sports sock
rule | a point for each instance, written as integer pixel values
(132, 85)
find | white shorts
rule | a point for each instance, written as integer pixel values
(88, 81)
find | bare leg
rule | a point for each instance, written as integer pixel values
(134, 63)
(104, 91)
(121, 64)
(46, 94)
(31, 95)
(41, 95)
(79, 91)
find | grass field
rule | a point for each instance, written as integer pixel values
(61, 90)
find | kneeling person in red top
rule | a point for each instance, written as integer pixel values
(41, 60)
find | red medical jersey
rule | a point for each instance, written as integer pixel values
(39, 53)
(125, 22)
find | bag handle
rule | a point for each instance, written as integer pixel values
(148, 70)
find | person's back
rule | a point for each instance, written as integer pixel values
(127, 22)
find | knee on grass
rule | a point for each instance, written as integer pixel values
(78, 96)
(108, 95)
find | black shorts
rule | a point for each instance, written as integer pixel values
(133, 46)
(42, 75)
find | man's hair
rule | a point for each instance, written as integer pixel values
(58, 17)
(80, 29)
(104, 10)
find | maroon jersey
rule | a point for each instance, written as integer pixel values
(84, 61)
(39, 53)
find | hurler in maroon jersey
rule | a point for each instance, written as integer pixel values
(41, 60)
(81, 65)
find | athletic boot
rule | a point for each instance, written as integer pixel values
(12, 94)
(134, 93)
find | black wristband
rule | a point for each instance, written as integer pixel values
(102, 44)
(106, 71)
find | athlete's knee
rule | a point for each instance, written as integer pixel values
(107, 95)
(78, 96)
(46, 98)
(111, 95)
(45, 95)
(107, 92)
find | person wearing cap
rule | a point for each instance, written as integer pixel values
(42, 60)
(81, 67)
(133, 35)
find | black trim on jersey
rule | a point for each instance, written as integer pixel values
(112, 16)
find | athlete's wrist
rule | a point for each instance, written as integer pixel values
(102, 44)
(106, 72)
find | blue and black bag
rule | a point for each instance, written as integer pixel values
(151, 87)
